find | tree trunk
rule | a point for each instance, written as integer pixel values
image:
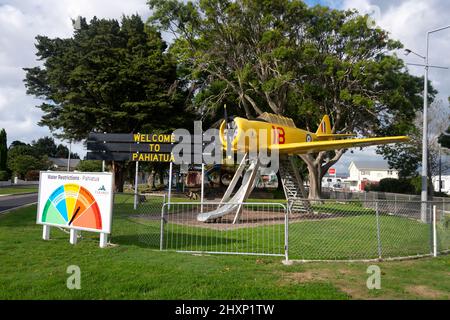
(280, 183)
(161, 176)
(118, 170)
(317, 169)
(315, 182)
(151, 180)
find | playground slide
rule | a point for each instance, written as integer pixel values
(234, 204)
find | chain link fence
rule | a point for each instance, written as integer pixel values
(375, 196)
(137, 219)
(442, 216)
(363, 230)
(239, 228)
(333, 230)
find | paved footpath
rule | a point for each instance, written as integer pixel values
(14, 201)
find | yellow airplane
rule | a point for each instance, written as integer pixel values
(281, 133)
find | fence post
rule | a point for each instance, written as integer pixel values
(136, 178)
(286, 233)
(395, 204)
(170, 183)
(434, 233)
(161, 237)
(378, 230)
(202, 194)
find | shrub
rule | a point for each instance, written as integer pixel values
(416, 182)
(32, 175)
(391, 185)
(440, 194)
(89, 166)
(372, 186)
(4, 175)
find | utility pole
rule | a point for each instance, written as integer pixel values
(424, 193)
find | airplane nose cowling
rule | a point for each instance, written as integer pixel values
(230, 132)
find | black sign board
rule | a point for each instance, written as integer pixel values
(139, 147)
(129, 147)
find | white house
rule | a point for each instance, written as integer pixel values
(363, 173)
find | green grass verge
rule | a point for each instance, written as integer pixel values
(36, 269)
(18, 189)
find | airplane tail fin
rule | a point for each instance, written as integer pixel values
(324, 127)
(324, 131)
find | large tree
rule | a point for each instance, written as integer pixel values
(287, 58)
(109, 77)
(47, 146)
(23, 158)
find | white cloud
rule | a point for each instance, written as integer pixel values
(408, 21)
(20, 22)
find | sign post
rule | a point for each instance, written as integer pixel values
(103, 240)
(170, 183)
(136, 178)
(73, 236)
(203, 188)
(46, 232)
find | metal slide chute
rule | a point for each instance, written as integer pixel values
(234, 204)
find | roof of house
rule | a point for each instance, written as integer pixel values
(371, 165)
(62, 162)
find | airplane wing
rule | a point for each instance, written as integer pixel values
(317, 146)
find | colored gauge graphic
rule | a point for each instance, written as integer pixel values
(72, 205)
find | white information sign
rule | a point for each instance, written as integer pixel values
(76, 200)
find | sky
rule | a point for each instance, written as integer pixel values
(21, 20)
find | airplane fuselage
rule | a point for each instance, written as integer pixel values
(249, 134)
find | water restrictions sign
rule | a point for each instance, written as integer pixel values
(76, 201)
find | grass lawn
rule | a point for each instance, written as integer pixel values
(35, 269)
(18, 189)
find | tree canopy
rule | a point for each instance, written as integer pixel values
(47, 146)
(23, 158)
(111, 76)
(288, 58)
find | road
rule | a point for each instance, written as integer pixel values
(13, 201)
